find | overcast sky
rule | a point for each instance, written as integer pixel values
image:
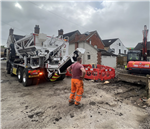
(123, 20)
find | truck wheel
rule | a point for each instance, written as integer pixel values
(20, 74)
(26, 81)
(8, 68)
(11, 71)
(61, 77)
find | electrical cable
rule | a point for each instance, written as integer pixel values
(14, 27)
(58, 15)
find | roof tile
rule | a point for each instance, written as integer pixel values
(82, 37)
(139, 46)
(108, 42)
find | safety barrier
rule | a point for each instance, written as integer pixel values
(87, 66)
(92, 73)
(100, 73)
(68, 74)
(101, 66)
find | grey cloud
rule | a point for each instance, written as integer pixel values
(124, 20)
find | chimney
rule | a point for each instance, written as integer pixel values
(36, 29)
(60, 32)
(11, 31)
(76, 37)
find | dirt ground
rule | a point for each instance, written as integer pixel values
(116, 105)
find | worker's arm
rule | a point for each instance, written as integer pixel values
(83, 73)
(69, 69)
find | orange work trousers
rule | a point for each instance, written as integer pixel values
(76, 91)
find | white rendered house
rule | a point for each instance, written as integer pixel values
(115, 46)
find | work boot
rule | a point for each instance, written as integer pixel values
(78, 106)
(71, 103)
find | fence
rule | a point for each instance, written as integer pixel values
(100, 73)
(122, 60)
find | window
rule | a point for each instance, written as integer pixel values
(119, 51)
(88, 57)
(95, 46)
(90, 41)
(119, 44)
(133, 56)
(124, 51)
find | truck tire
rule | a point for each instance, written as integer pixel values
(8, 68)
(20, 74)
(26, 81)
(11, 71)
(61, 77)
(12, 54)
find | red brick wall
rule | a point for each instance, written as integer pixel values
(95, 40)
(76, 46)
(99, 58)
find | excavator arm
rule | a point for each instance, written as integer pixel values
(144, 52)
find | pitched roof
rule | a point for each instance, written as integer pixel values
(17, 37)
(83, 37)
(106, 53)
(70, 33)
(139, 46)
(108, 42)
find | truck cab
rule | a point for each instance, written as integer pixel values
(133, 55)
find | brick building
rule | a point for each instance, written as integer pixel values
(90, 41)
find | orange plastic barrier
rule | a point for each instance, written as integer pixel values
(100, 73)
(87, 66)
(92, 73)
(68, 74)
(107, 77)
(110, 73)
(101, 66)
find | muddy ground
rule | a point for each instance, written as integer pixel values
(116, 105)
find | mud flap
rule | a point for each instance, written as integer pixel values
(54, 77)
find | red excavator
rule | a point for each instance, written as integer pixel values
(134, 58)
(138, 66)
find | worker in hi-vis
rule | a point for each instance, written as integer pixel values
(78, 73)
